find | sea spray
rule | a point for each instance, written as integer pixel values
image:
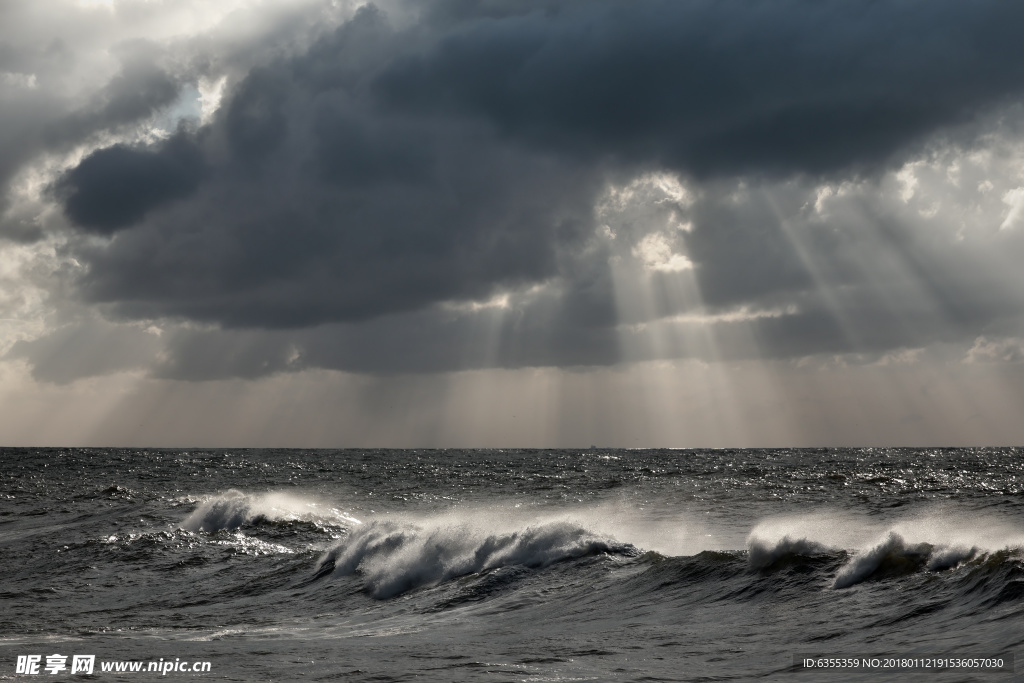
(763, 554)
(892, 557)
(233, 509)
(395, 557)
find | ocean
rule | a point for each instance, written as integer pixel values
(512, 565)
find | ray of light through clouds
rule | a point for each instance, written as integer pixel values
(510, 223)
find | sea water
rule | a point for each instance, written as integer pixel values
(509, 565)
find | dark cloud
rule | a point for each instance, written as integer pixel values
(345, 196)
(741, 250)
(425, 341)
(326, 208)
(713, 87)
(136, 93)
(255, 122)
(142, 87)
(115, 187)
(38, 120)
(86, 348)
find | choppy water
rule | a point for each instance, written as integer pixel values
(553, 565)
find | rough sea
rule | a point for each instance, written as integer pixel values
(512, 565)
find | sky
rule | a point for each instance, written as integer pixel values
(500, 223)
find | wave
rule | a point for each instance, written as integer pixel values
(764, 554)
(948, 558)
(894, 556)
(890, 558)
(233, 509)
(933, 543)
(785, 541)
(395, 557)
(936, 543)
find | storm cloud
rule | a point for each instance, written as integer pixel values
(447, 185)
(711, 87)
(117, 186)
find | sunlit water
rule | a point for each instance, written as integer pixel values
(510, 565)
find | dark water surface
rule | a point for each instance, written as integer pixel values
(486, 565)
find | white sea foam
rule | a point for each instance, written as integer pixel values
(947, 558)
(763, 553)
(893, 556)
(937, 541)
(396, 556)
(774, 539)
(233, 509)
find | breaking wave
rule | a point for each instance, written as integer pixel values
(767, 555)
(873, 553)
(935, 543)
(395, 557)
(947, 558)
(894, 556)
(891, 558)
(233, 509)
(785, 541)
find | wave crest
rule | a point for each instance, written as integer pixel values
(891, 558)
(765, 554)
(396, 557)
(233, 509)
